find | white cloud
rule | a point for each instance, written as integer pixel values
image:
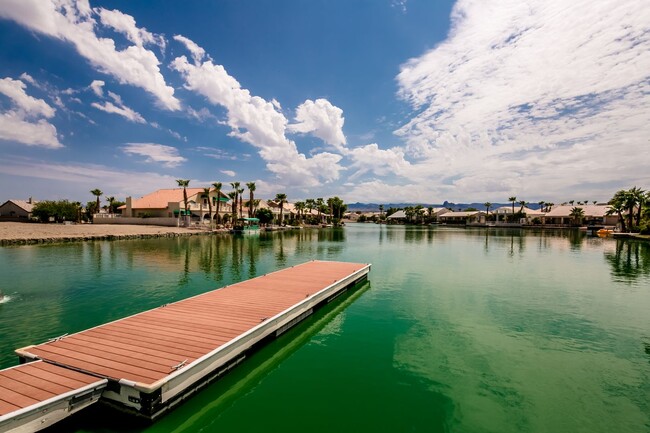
(121, 110)
(125, 24)
(198, 53)
(97, 86)
(259, 123)
(26, 77)
(321, 119)
(167, 155)
(535, 98)
(228, 173)
(371, 159)
(72, 21)
(376, 191)
(24, 122)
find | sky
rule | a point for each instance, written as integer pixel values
(380, 101)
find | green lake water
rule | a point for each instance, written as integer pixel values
(458, 330)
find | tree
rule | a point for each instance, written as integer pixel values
(264, 215)
(319, 207)
(281, 199)
(110, 201)
(639, 197)
(61, 210)
(338, 208)
(206, 194)
(217, 187)
(618, 205)
(240, 193)
(235, 199)
(232, 195)
(184, 183)
(98, 193)
(487, 205)
(523, 204)
(300, 208)
(513, 199)
(577, 214)
(381, 210)
(251, 199)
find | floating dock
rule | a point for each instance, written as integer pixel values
(149, 362)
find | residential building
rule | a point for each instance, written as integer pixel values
(169, 203)
(17, 209)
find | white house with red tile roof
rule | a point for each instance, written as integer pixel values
(594, 214)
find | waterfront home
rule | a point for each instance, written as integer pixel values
(594, 214)
(17, 210)
(398, 216)
(464, 217)
(501, 214)
(169, 203)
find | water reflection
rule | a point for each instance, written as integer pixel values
(629, 261)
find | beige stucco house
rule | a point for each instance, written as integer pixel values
(17, 209)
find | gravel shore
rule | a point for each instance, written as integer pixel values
(12, 233)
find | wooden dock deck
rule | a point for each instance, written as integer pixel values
(153, 359)
(36, 395)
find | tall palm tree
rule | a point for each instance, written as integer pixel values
(235, 187)
(184, 183)
(217, 187)
(310, 204)
(110, 201)
(618, 205)
(639, 197)
(381, 210)
(233, 198)
(300, 208)
(523, 204)
(319, 206)
(98, 193)
(251, 198)
(487, 205)
(541, 205)
(513, 199)
(240, 193)
(281, 199)
(206, 193)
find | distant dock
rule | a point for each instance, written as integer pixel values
(149, 362)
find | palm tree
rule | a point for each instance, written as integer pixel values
(110, 201)
(235, 187)
(513, 199)
(541, 205)
(98, 193)
(300, 207)
(639, 197)
(523, 204)
(184, 183)
(577, 214)
(618, 205)
(206, 193)
(217, 186)
(233, 198)
(381, 210)
(240, 193)
(281, 199)
(310, 203)
(319, 206)
(487, 205)
(251, 198)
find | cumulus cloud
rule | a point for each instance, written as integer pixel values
(228, 173)
(167, 155)
(258, 122)
(372, 159)
(198, 53)
(74, 22)
(321, 119)
(25, 122)
(533, 97)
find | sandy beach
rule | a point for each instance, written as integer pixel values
(28, 233)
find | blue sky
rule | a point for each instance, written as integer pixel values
(373, 101)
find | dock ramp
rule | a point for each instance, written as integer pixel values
(36, 395)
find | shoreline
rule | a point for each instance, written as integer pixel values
(16, 233)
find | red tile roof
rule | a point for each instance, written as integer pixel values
(160, 198)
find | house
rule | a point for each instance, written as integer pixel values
(464, 217)
(399, 215)
(169, 203)
(594, 214)
(17, 209)
(501, 214)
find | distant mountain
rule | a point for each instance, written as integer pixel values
(374, 207)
